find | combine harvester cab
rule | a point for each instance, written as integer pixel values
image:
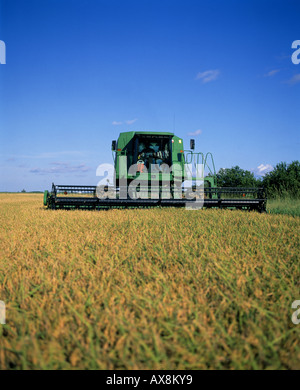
(152, 169)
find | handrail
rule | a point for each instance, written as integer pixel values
(194, 158)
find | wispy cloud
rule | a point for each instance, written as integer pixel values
(272, 72)
(294, 80)
(283, 56)
(128, 122)
(262, 169)
(66, 153)
(61, 167)
(195, 133)
(131, 121)
(208, 75)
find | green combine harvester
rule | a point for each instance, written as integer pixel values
(152, 169)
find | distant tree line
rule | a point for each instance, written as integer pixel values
(283, 180)
(31, 192)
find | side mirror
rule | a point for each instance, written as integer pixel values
(192, 144)
(113, 145)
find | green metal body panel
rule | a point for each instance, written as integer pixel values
(46, 196)
(126, 147)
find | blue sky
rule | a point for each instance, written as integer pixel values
(78, 73)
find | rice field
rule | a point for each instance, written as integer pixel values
(147, 289)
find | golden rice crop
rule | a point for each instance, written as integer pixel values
(147, 289)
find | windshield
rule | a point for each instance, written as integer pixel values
(153, 151)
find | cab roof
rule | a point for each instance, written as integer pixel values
(132, 133)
